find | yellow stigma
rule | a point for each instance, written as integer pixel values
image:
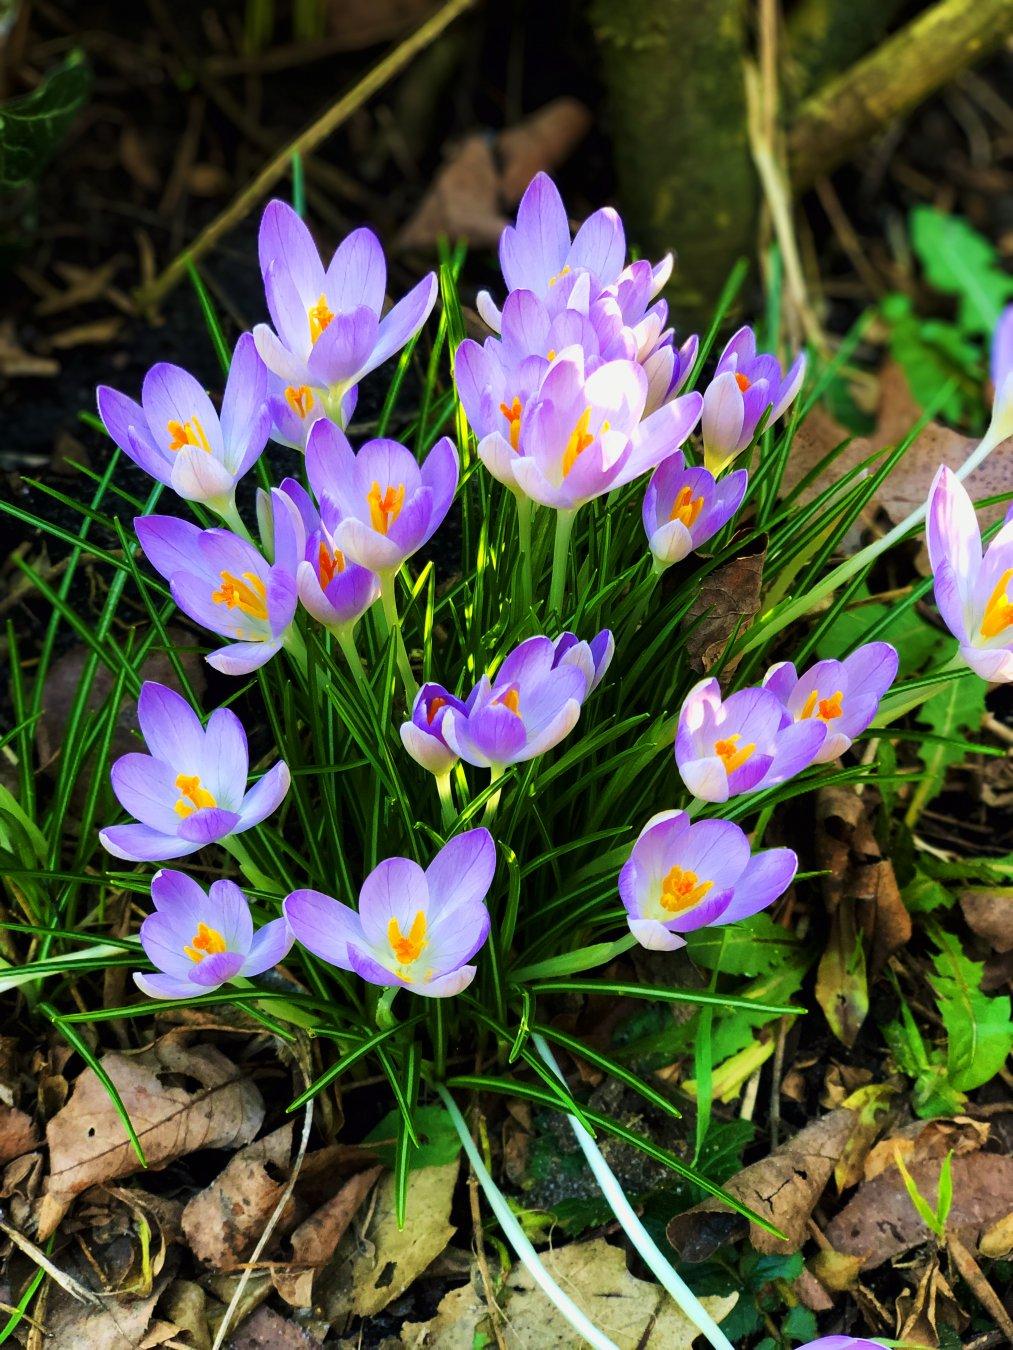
(385, 508)
(319, 315)
(550, 355)
(187, 433)
(205, 942)
(826, 709)
(729, 753)
(410, 948)
(580, 439)
(998, 614)
(563, 271)
(512, 700)
(247, 593)
(681, 890)
(193, 795)
(687, 507)
(512, 413)
(300, 399)
(329, 563)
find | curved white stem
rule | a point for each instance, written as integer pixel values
(653, 1257)
(518, 1239)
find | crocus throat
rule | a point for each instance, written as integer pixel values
(407, 949)
(205, 942)
(563, 271)
(187, 433)
(513, 416)
(681, 890)
(580, 439)
(743, 381)
(300, 399)
(385, 507)
(512, 700)
(434, 707)
(319, 315)
(247, 593)
(729, 753)
(998, 614)
(826, 709)
(686, 507)
(193, 795)
(330, 563)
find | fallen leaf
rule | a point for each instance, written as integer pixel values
(185, 1304)
(382, 1274)
(88, 1144)
(873, 1106)
(268, 1330)
(483, 176)
(316, 1239)
(811, 1292)
(784, 1188)
(15, 362)
(458, 1323)
(17, 1133)
(989, 913)
(997, 1240)
(224, 1221)
(96, 333)
(880, 1222)
(974, 1276)
(835, 1270)
(727, 602)
(932, 1305)
(925, 1140)
(121, 1325)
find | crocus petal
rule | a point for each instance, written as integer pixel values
(357, 274)
(197, 476)
(284, 238)
(240, 658)
(171, 729)
(535, 250)
(600, 245)
(228, 911)
(270, 944)
(140, 843)
(323, 925)
(401, 324)
(394, 892)
(169, 544)
(951, 528)
(164, 986)
(146, 788)
(766, 877)
(462, 872)
(721, 418)
(446, 986)
(265, 796)
(209, 825)
(655, 936)
(440, 470)
(216, 969)
(341, 351)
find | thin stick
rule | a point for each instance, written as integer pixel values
(304, 144)
(649, 1250)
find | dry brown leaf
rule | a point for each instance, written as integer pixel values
(810, 1292)
(88, 1144)
(120, 1325)
(997, 1240)
(97, 333)
(227, 1217)
(16, 363)
(316, 1239)
(483, 176)
(268, 1330)
(880, 1222)
(727, 602)
(836, 1271)
(932, 1305)
(185, 1305)
(784, 1188)
(990, 915)
(384, 1268)
(925, 1140)
(972, 1273)
(17, 1133)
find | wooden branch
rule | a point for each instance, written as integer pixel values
(824, 37)
(912, 64)
(392, 64)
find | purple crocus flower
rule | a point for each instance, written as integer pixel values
(741, 744)
(537, 253)
(175, 434)
(746, 385)
(592, 658)
(682, 876)
(844, 695)
(423, 735)
(531, 704)
(328, 332)
(1002, 375)
(200, 940)
(842, 1343)
(667, 368)
(190, 788)
(332, 588)
(684, 507)
(223, 583)
(414, 929)
(974, 591)
(386, 505)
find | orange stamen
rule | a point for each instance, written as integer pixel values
(563, 271)
(729, 753)
(205, 942)
(407, 949)
(998, 614)
(329, 563)
(434, 707)
(193, 795)
(743, 381)
(248, 594)
(681, 890)
(512, 700)
(300, 399)
(187, 433)
(513, 416)
(826, 709)
(687, 507)
(319, 315)
(385, 508)
(580, 439)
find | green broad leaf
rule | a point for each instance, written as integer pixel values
(916, 641)
(32, 126)
(753, 946)
(19, 834)
(923, 894)
(978, 1027)
(933, 355)
(959, 261)
(438, 1140)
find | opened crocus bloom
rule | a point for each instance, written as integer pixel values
(746, 385)
(225, 584)
(328, 332)
(414, 929)
(682, 876)
(842, 1343)
(332, 588)
(844, 695)
(385, 505)
(684, 507)
(423, 737)
(176, 435)
(190, 788)
(974, 591)
(592, 658)
(531, 704)
(741, 744)
(200, 940)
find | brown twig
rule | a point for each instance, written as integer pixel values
(307, 141)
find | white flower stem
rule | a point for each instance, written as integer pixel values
(560, 557)
(652, 1255)
(516, 1236)
(388, 602)
(229, 512)
(254, 875)
(847, 569)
